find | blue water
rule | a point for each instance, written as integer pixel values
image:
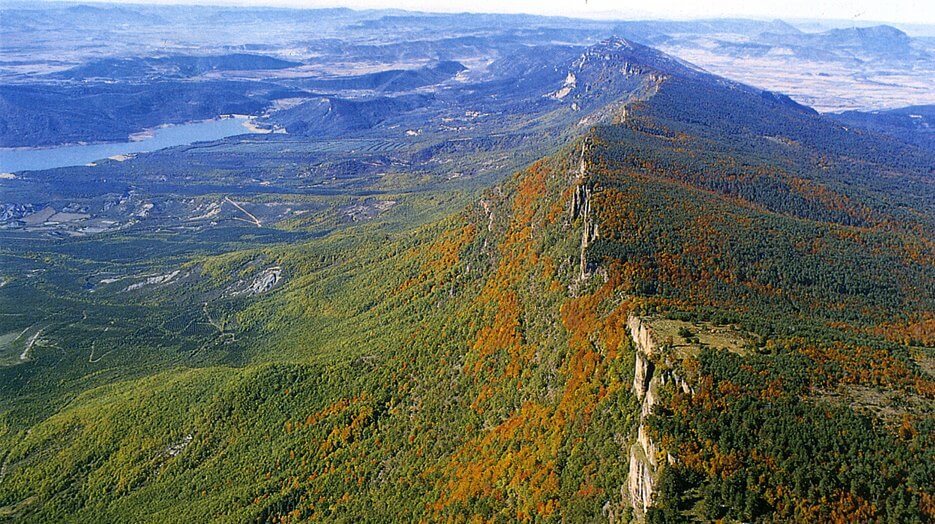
(13, 160)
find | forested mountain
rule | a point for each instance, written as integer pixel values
(171, 66)
(70, 113)
(912, 124)
(707, 302)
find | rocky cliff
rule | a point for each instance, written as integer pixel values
(653, 369)
(643, 463)
(581, 206)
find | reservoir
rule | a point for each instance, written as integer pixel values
(23, 159)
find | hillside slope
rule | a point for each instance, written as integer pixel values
(765, 276)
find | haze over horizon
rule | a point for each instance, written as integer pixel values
(911, 12)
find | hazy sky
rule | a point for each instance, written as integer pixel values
(905, 11)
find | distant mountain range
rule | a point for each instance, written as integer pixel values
(171, 67)
(914, 124)
(312, 52)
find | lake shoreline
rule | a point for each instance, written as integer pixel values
(143, 134)
(13, 160)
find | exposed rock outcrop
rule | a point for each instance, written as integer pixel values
(581, 207)
(642, 470)
(642, 335)
(652, 371)
(640, 482)
(642, 373)
(266, 280)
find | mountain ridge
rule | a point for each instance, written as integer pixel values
(493, 364)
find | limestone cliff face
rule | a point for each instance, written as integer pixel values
(642, 470)
(581, 207)
(642, 374)
(639, 483)
(651, 372)
(642, 336)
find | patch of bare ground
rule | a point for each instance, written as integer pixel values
(687, 338)
(890, 406)
(925, 358)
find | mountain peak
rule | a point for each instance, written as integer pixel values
(878, 38)
(632, 56)
(616, 68)
(616, 42)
